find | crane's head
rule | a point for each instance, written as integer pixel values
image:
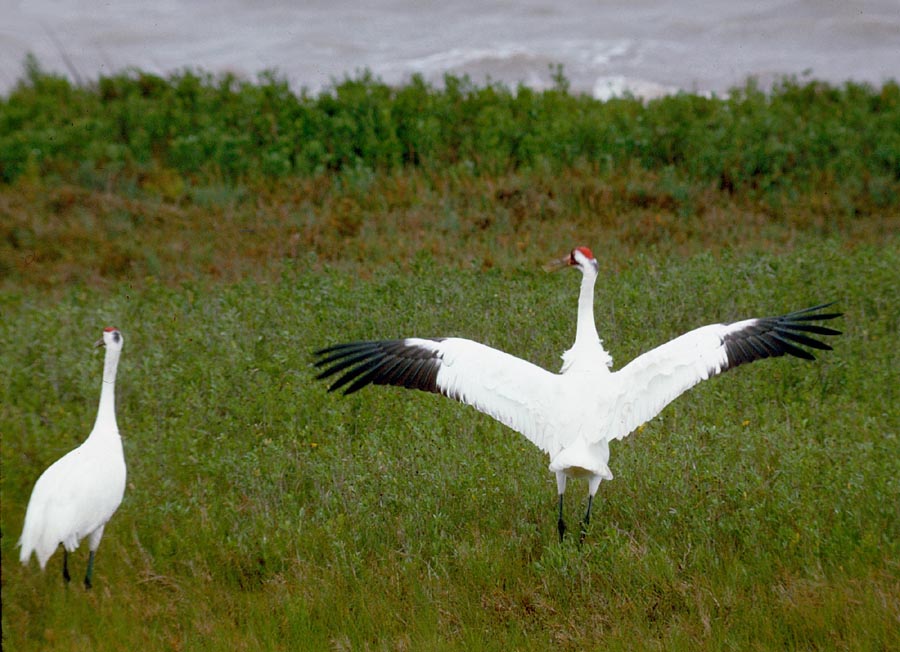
(580, 257)
(112, 338)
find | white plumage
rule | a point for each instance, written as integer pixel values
(572, 415)
(76, 496)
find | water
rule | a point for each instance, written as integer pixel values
(647, 47)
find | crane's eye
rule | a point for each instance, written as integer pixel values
(115, 336)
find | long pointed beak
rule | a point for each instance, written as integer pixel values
(556, 265)
(99, 343)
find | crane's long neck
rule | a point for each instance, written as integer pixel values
(586, 329)
(106, 413)
(587, 353)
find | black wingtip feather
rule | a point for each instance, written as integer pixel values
(385, 362)
(804, 340)
(778, 336)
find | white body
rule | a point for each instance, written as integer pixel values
(574, 415)
(76, 496)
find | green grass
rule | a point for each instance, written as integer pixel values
(757, 512)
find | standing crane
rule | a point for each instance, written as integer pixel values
(573, 415)
(76, 496)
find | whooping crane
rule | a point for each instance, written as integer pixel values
(76, 496)
(573, 415)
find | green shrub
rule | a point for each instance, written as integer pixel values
(792, 140)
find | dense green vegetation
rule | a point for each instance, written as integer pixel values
(799, 136)
(229, 228)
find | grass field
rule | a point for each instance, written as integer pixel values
(757, 512)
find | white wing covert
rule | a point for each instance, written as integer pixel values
(653, 380)
(515, 392)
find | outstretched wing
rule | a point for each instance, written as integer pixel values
(513, 391)
(653, 380)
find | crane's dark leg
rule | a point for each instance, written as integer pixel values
(593, 485)
(561, 489)
(90, 571)
(587, 519)
(560, 524)
(93, 543)
(66, 576)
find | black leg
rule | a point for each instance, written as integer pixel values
(561, 525)
(66, 576)
(587, 519)
(90, 571)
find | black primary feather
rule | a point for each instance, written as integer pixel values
(770, 337)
